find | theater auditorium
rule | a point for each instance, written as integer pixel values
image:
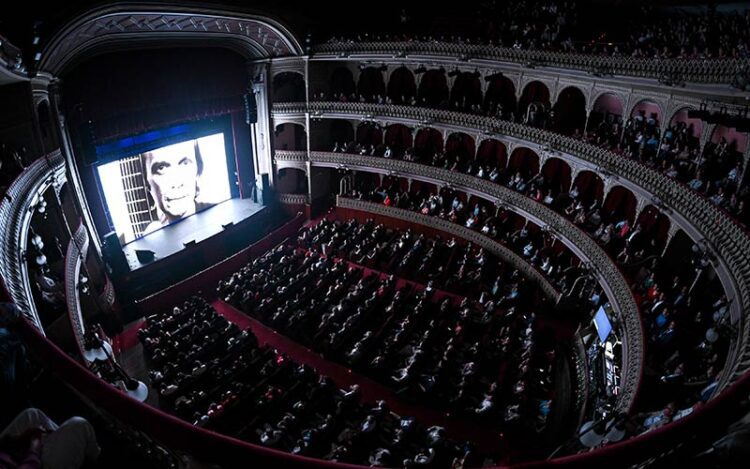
(335, 235)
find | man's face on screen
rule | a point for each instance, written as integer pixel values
(172, 174)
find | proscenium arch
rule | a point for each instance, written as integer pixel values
(131, 25)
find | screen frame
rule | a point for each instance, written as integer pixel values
(117, 149)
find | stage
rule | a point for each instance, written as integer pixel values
(198, 228)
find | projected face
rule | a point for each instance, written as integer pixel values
(146, 192)
(172, 175)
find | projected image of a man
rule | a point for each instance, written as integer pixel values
(172, 174)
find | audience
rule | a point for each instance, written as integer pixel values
(208, 371)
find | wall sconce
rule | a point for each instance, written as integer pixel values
(37, 242)
(83, 283)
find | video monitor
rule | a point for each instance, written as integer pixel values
(602, 323)
(150, 190)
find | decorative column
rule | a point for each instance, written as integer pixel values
(261, 130)
(71, 168)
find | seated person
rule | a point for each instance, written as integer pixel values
(33, 438)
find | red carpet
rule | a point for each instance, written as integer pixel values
(371, 391)
(128, 338)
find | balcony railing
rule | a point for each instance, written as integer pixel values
(75, 257)
(294, 199)
(690, 70)
(727, 240)
(15, 218)
(489, 245)
(292, 156)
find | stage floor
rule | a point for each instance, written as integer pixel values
(198, 227)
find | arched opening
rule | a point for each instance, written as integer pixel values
(492, 152)
(570, 111)
(724, 154)
(369, 133)
(291, 181)
(590, 187)
(620, 204)
(646, 114)
(342, 83)
(678, 246)
(289, 87)
(398, 138)
(605, 121)
(467, 91)
(525, 161)
(684, 130)
(500, 98)
(401, 86)
(461, 146)
(556, 173)
(427, 142)
(290, 136)
(433, 89)
(654, 226)
(328, 134)
(371, 84)
(537, 94)
(734, 140)
(642, 132)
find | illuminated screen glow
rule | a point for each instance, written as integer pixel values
(154, 189)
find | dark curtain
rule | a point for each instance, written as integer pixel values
(401, 85)
(125, 93)
(492, 152)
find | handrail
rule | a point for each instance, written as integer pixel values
(610, 278)
(690, 70)
(724, 236)
(489, 245)
(16, 212)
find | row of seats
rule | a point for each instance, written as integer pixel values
(456, 357)
(209, 372)
(688, 332)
